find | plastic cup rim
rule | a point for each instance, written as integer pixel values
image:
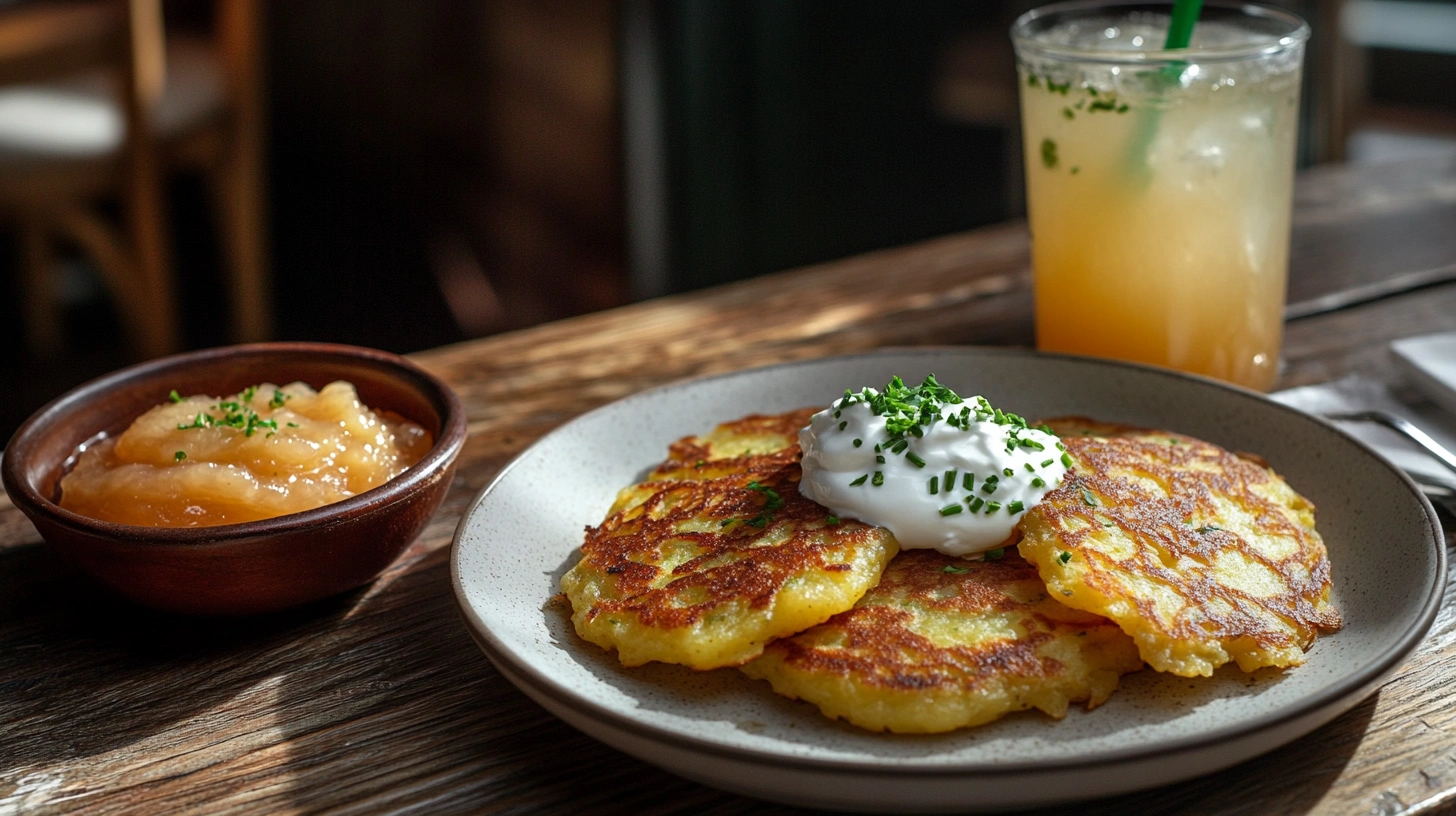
(1027, 42)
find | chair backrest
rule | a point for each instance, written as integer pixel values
(57, 39)
(46, 40)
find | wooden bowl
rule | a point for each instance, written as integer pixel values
(258, 566)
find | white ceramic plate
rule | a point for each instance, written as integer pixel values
(724, 729)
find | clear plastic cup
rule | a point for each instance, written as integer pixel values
(1159, 182)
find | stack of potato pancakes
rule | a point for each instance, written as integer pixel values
(1157, 548)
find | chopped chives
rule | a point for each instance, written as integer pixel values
(992, 507)
(858, 442)
(1089, 498)
(880, 459)
(915, 460)
(1067, 459)
(968, 482)
(950, 480)
(1015, 507)
(996, 554)
(1064, 558)
(174, 396)
(1007, 472)
(975, 503)
(878, 479)
(772, 502)
(1038, 482)
(179, 456)
(1029, 468)
(843, 424)
(899, 446)
(859, 481)
(934, 485)
(1048, 463)
(950, 509)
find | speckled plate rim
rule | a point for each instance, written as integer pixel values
(1348, 690)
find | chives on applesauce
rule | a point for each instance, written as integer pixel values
(201, 461)
(944, 472)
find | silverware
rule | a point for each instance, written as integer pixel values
(1441, 494)
(1403, 427)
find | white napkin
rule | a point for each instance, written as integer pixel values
(1355, 393)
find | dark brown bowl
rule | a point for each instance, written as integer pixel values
(259, 566)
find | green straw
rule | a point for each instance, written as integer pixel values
(1180, 28)
(1180, 33)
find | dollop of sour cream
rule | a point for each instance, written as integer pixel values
(938, 471)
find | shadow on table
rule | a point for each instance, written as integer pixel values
(409, 713)
(1290, 779)
(84, 672)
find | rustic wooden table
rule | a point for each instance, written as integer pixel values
(379, 701)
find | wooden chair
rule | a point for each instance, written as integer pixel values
(97, 104)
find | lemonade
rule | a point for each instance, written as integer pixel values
(1159, 189)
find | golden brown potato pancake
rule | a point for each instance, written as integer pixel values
(1201, 556)
(717, 553)
(944, 643)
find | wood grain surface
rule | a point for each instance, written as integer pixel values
(378, 701)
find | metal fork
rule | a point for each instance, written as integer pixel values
(1402, 426)
(1439, 494)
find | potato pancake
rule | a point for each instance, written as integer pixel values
(1201, 556)
(944, 643)
(729, 449)
(717, 553)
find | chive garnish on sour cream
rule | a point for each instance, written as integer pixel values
(925, 446)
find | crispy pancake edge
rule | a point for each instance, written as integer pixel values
(736, 557)
(879, 666)
(1176, 541)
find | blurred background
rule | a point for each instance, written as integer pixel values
(403, 175)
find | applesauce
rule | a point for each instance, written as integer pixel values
(267, 451)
